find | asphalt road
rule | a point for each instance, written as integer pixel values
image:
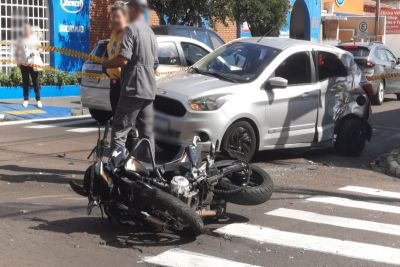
(326, 211)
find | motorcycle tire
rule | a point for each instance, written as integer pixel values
(192, 223)
(258, 191)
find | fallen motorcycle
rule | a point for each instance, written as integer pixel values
(175, 196)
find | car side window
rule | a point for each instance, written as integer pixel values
(381, 54)
(390, 56)
(168, 54)
(180, 32)
(193, 53)
(330, 66)
(296, 69)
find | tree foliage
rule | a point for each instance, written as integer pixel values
(265, 17)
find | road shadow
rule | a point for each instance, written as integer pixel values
(114, 234)
(29, 174)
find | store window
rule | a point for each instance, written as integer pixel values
(13, 14)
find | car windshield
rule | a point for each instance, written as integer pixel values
(237, 62)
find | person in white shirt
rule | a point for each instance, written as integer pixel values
(28, 60)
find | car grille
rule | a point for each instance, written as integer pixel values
(169, 106)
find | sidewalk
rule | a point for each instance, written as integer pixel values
(57, 107)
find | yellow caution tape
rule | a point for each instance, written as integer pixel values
(49, 68)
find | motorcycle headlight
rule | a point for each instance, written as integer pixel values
(208, 103)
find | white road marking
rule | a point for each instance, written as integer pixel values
(312, 217)
(60, 124)
(83, 130)
(9, 123)
(327, 245)
(182, 258)
(371, 191)
(75, 198)
(345, 202)
(48, 196)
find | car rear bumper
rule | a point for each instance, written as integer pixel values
(95, 98)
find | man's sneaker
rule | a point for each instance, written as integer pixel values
(39, 104)
(25, 104)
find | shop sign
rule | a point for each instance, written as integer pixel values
(340, 2)
(72, 6)
(392, 20)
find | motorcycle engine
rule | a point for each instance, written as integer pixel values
(180, 188)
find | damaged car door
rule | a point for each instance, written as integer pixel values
(292, 102)
(334, 79)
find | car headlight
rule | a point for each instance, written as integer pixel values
(209, 103)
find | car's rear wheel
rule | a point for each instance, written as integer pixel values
(100, 116)
(398, 96)
(351, 138)
(240, 141)
(379, 97)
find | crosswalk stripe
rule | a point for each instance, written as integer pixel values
(182, 258)
(312, 217)
(83, 130)
(345, 202)
(60, 124)
(327, 245)
(371, 191)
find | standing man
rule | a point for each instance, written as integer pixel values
(119, 20)
(139, 60)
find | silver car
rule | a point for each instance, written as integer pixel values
(268, 93)
(174, 54)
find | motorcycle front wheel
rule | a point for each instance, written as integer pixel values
(258, 190)
(168, 213)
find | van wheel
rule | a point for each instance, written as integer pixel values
(379, 97)
(240, 141)
(398, 97)
(351, 138)
(100, 116)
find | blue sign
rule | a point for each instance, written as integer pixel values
(70, 25)
(340, 2)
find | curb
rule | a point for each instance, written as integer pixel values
(389, 163)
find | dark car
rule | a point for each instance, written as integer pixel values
(203, 35)
(376, 59)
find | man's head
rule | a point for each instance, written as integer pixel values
(136, 9)
(26, 30)
(119, 16)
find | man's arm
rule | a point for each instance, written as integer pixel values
(116, 62)
(125, 53)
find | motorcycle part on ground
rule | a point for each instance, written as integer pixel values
(168, 213)
(258, 190)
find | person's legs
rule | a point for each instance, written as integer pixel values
(115, 91)
(145, 125)
(25, 81)
(124, 120)
(35, 81)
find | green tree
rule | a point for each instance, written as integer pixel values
(265, 17)
(182, 12)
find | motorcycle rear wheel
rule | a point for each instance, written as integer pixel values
(258, 191)
(177, 216)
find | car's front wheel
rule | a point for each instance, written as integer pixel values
(379, 97)
(100, 116)
(240, 141)
(351, 138)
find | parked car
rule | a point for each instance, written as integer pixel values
(377, 59)
(270, 93)
(174, 54)
(203, 35)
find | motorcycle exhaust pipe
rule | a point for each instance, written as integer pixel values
(207, 213)
(159, 224)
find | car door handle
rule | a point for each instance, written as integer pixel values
(305, 95)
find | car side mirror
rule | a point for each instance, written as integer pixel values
(276, 83)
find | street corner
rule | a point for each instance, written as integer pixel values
(18, 112)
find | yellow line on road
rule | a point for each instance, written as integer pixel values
(25, 112)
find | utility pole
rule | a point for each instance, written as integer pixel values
(377, 19)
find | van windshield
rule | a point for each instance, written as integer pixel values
(237, 62)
